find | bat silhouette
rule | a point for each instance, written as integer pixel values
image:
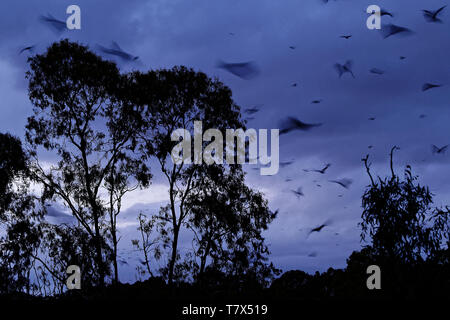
(319, 228)
(345, 183)
(292, 123)
(298, 193)
(117, 51)
(321, 171)
(384, 12)
(286, 163)
(428, 86)
(432, 16)
(57, 25)
(346, 36)
(245, 70)
(252, 110)
(392, 29)
(316, 101)
(29, 48)
(344, 68)
(376, 71)
(438, 150)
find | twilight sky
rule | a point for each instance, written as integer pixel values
(198, 33)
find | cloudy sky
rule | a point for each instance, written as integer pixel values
(198, 33)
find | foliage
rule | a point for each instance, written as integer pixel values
(399, 218)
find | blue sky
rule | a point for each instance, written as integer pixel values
(165, 33)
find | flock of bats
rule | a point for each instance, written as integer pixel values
(249, 70)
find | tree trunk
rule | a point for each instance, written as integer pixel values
(116, 271)
(203, 260)
(176, 231)
(98, 249)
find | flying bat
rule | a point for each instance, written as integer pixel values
(344, 68)
(29, 48)
(345, 183)
(252, 110)
(383, 12)
(376, 71)
(432, 16)
(57, 25)
(117, 51)
(292, 123)
(245, 70)
(321, 171)
(392, 29)
(298, 193)
(428, 86)
(319, 228)
(438, 150)
(286, 163)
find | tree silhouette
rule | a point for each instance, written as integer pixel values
(399, 218)
(173, 99)
(147, 245)
(406, 233)
(19, 215)
(13, 163)
(79, 115)
(228, 217)
(105, 129)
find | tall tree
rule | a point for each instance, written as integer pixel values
(175, 99)
(79, 115)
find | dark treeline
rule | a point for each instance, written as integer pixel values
(104, 129)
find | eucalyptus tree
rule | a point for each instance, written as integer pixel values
(81, 119)
(180, 103)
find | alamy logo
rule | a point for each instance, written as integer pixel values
(213, 152)
(74, 280)
(74, 20)
(374, 281)
(374, 20)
